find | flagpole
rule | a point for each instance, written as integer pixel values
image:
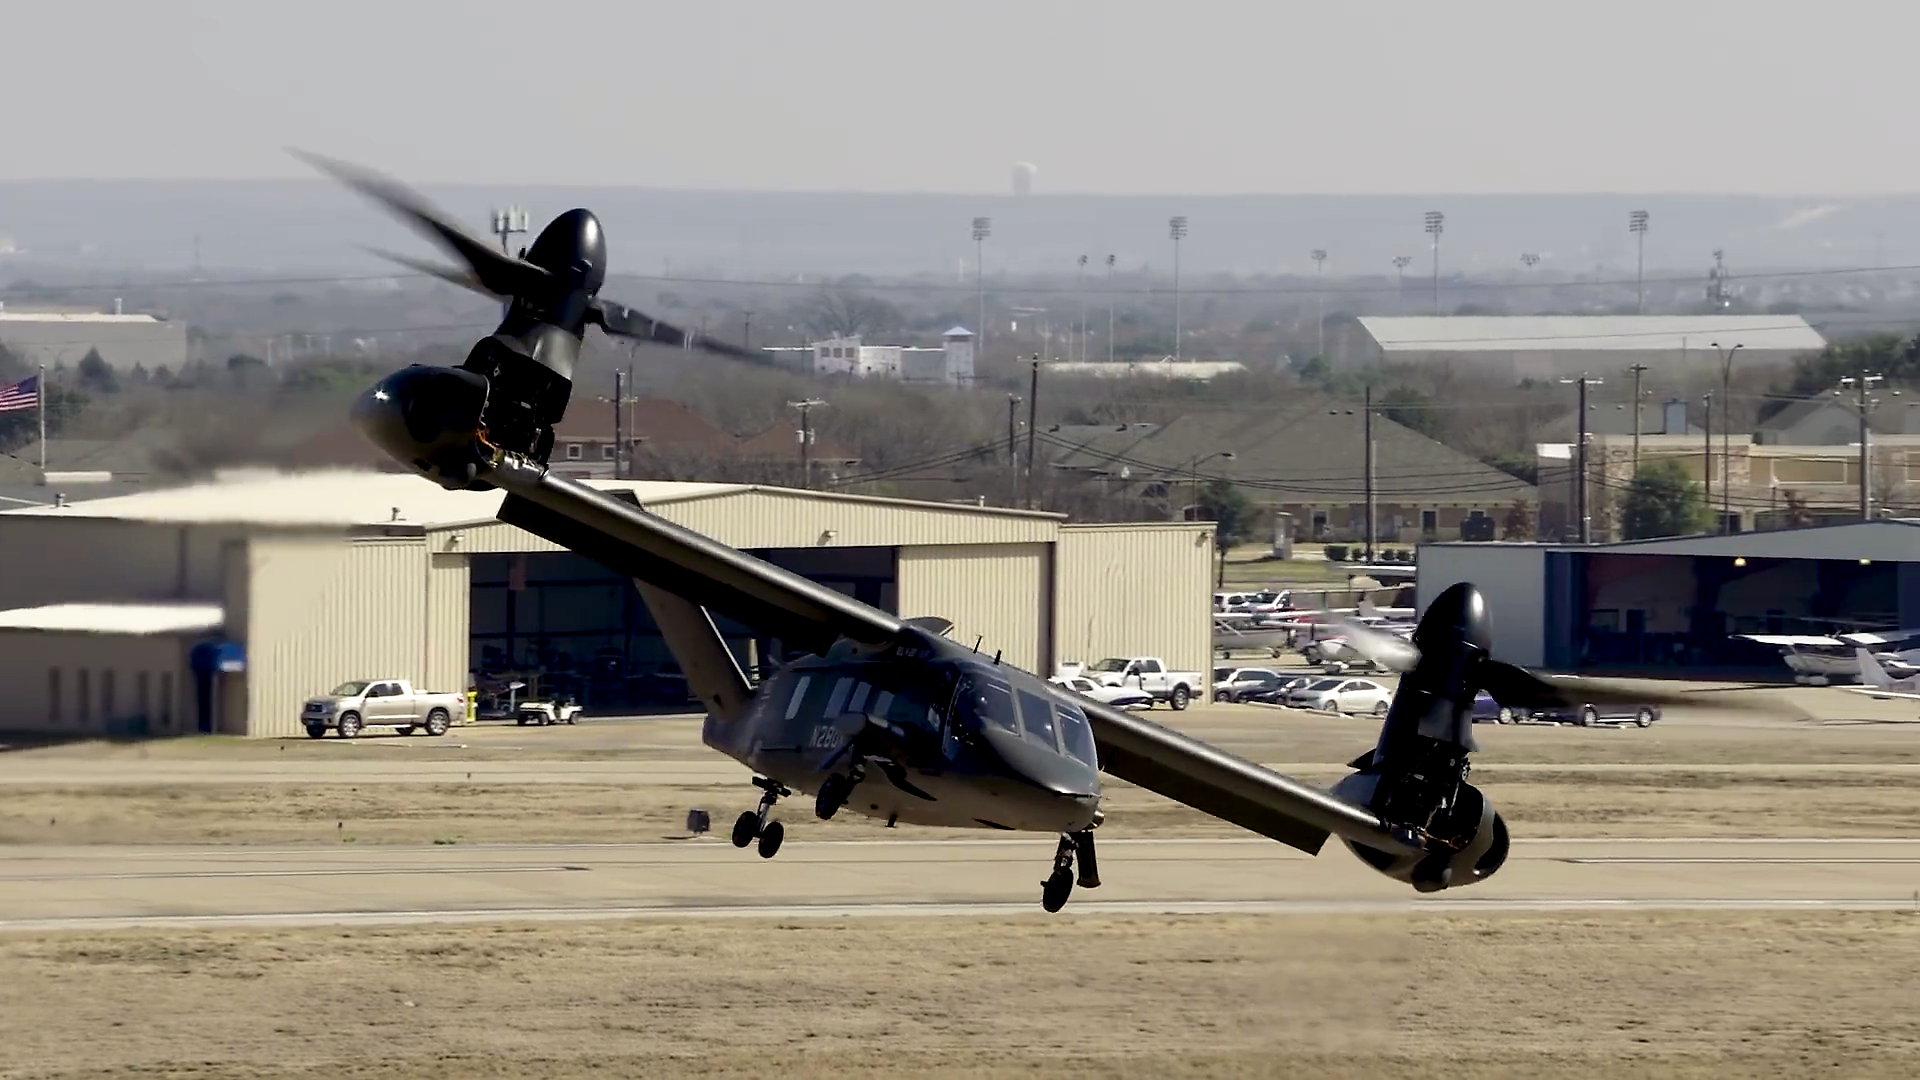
(40, 403)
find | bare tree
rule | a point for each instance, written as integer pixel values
(839, 312)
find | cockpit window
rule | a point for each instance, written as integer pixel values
(1076, 737)
(988, 703)
(1037, 713)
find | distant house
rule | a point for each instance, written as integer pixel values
(1307, 459)
(1666, 418)
(1829, 421)
(584, 443)
(951, 364)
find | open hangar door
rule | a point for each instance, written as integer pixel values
(564, 624)
(1640, 611)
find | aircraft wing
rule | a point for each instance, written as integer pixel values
(703, 571)
(1874, 691)
(1791, 640)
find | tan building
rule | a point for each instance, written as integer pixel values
(119, 614)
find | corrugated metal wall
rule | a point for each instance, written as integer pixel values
(448, 618)
(1513, 580)
(76, 560)
(322, 611)
(775, 518)
(43, 674)
(998, 592)
(1136, 590)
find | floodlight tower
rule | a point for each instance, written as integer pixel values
(506, 223)
(1530, 260)
(1111, 259)
(1435, 225)
(1637, 225)
(1177, 229)
(1320, 264)
(982, 228)
(1400, 264)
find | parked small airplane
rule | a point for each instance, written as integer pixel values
(1818, 659)
(1877, 682)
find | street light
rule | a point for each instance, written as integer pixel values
(1194, 492)
(1435, 223)
(982, 228)
(1726, 428)
(1400, 264)
(1319, 264)
(1637, 225)
(1176, 228)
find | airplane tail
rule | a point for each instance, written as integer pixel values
(1871, 673)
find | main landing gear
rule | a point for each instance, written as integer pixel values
(1055, 890)
(753, 824)
(835, 789)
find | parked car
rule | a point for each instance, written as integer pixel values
(1234, 684)
(1277, 693)
(1342, 696)
(1120, 697)
(1582, 715)
(355, 706)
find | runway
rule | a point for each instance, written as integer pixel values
(55, 888)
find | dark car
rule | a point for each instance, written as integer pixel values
(1276, 693)
(1584, 715)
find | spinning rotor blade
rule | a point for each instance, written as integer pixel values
(623, 321)
(450, 275)
(1518, 688)
(1390, 652)
(497, 272)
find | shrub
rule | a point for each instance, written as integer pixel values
(1336, 553)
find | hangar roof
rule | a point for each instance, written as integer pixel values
(350, 498)
(117, 618)
(1587, 333)
(1889, 540)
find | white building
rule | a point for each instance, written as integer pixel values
(1564, 345)
(951, 364)
(52, 338)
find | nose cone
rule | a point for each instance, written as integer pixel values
(1457, 615)
(428, 418)
(571, 244)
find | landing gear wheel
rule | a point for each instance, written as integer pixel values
(1056, 889)
(770, 838)
(745, 828)
(831, 797)
(1181, 695)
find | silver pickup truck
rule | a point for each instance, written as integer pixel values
(352, 707)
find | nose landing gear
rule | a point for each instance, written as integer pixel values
(1059, 885)
(753, 824)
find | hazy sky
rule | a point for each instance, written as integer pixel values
(1136, 96)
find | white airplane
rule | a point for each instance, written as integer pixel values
(1818, 659)
(1877, 683)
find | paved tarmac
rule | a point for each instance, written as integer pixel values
(67, 888)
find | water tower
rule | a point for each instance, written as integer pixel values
(1023, 177)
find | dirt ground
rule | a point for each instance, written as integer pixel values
(1627, 994)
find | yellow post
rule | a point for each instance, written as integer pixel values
(473, 706)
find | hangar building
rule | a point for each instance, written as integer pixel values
(1645, 605)
(221, 607)
(1557, 346)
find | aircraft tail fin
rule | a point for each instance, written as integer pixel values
(1871, 673)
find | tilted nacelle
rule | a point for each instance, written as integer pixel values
(1466, 840)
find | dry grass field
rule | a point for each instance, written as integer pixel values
(1352, 997)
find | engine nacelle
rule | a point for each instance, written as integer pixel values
(1466, 842)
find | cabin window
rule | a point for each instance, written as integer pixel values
(1076, 737)
(837, 701)
(859, 700)
(1037, 713)
(799, 694)
(989, 703)
(882, 702)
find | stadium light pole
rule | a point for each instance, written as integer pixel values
(1110, 261)
(1400, 264)
(1080, 286)
(1177, 229)
(1436, 222)
(982, 228)
(1530, 260)
(1726, 429)
(1637, 225)
(1319, 291)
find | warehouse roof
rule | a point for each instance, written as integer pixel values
(73, 317)
(1584, 333)
(1887, 540)
(350, 498)
(117, 618)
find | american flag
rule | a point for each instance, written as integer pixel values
(24, 394)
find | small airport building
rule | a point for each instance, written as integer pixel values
(221, 607)
(1653, 605)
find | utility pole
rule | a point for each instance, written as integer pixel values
(746, 329)
(1706, 458)
(1580, 458)
(1726, 433)
(1863, 404)
(1080, 286)
(1638, 370)
(619, 439)
(982, 228)
(1177, 228)
(1319, 264)
(1435, 224)
(1637, 225)
(806, 438)
(1366, 428)
(505, 224)
(1013, 458)
(1110, 261)
(1033, 402)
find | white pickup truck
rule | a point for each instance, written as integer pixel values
(352, 707)
(1149, 674)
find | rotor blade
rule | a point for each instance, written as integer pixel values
(623, 321)
(1393, 653)
(451, 275)
(1518, 688)
(499, 272)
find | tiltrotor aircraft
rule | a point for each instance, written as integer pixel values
(882, 715)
